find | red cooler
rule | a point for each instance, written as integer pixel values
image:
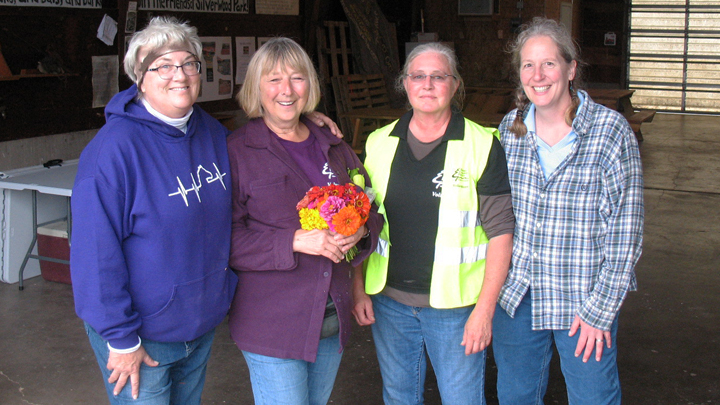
(52, 241)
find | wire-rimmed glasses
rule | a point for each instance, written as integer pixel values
(435, 78)
(167, 72)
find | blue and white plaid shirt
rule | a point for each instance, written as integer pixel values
(578, 234)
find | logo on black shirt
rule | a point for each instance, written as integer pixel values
(438, 181)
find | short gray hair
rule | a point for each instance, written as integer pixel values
(161, 32)
(287, 53)
(449, 55)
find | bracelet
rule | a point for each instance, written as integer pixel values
(366, 233)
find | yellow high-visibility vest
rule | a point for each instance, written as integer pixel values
(461, 243)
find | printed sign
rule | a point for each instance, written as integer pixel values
(208, 6)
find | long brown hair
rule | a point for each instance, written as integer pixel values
(569, 51)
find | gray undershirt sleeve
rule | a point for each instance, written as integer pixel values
(496, 215)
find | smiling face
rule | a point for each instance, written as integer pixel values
(171, 97)
(545, 75)
(427, 96)
(283, 95)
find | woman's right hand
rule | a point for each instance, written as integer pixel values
(318, 242)
(127, 366)
(362, 304)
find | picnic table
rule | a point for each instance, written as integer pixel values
(482, 101)
(620, 100)
(488, 105)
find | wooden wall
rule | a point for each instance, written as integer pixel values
(606, 63)
(52, 105)
(47, 105)
(481, 41)
(43, 106)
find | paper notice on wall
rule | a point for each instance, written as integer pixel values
(284, 7)
(107, 30)
(244, 51)
(104, 79)
(261, 40)
(217, 74)
(54, 3)
(204, 6)
(131, 18)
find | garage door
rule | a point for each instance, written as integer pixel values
(674, 57)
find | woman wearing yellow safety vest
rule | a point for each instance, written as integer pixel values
(432, 283)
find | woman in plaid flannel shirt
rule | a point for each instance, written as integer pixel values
(577, 191)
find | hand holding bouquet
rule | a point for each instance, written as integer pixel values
(339, 208)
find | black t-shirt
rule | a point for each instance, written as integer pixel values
(412, 204)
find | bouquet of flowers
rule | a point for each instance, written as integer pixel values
(339, 208)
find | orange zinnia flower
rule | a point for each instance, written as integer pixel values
(347, 221)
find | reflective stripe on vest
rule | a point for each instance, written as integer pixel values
(450, 220)
(458, 219)
(461, 243)
(448, 256)
(383, 248)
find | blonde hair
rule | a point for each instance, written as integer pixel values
(568, 50)
(288, 54)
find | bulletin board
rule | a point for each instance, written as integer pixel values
(64, 39)
(64, 103)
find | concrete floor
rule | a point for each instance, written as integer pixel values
(668, 335)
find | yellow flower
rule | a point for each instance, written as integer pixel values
(310, 219)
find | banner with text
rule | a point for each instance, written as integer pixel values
(202, 6)
(53, 3)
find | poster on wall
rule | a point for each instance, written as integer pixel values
(244, 51)
(105, 71)
(216, 76)
(131, 18)
(262, 40)
(280, 7)
(53, 3)
(204, 6)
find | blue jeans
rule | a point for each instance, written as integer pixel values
(403, 337)
(178, 379)
(523, 358)
(295, 382)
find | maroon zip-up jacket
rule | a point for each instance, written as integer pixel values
(280, 300)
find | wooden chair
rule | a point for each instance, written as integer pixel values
(359, 91)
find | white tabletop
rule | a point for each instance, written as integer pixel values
(56, 180)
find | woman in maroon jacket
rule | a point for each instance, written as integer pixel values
(292, 309)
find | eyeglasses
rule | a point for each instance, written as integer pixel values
(166, 72)
(437, 78)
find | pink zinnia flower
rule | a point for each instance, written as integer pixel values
(331, 207)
